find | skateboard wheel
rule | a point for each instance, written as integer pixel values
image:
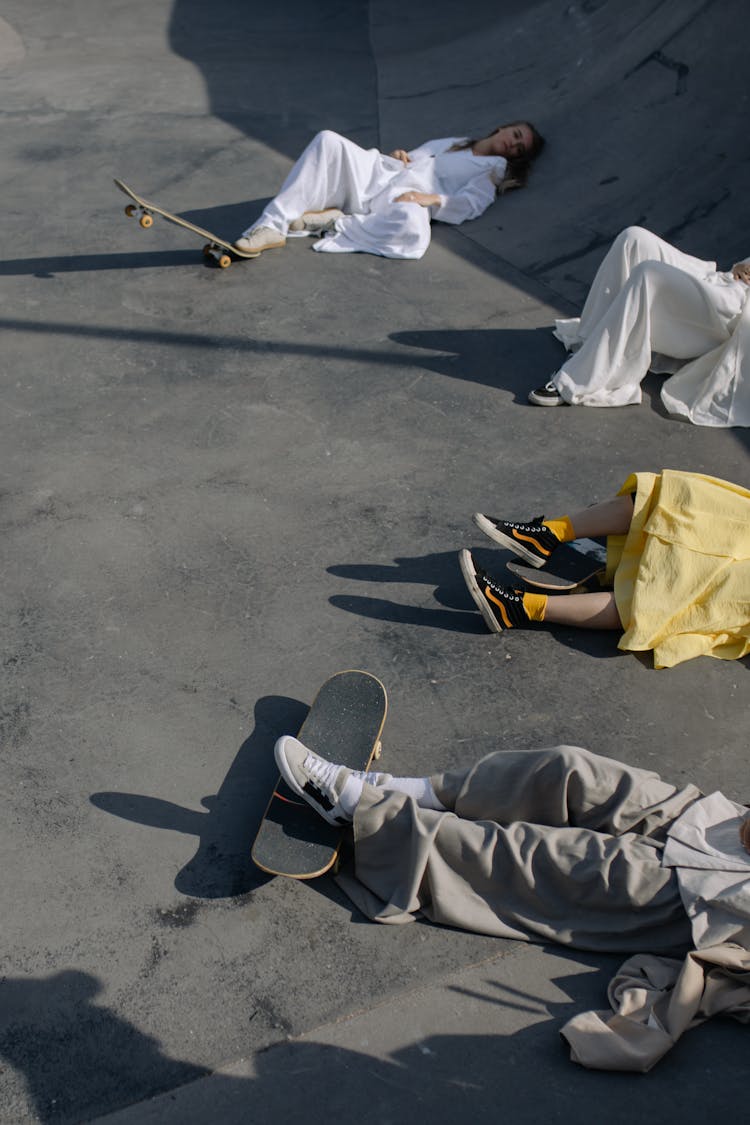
(208, 250)
(224, 261)
(378, 749)
(146, 221)
(130, 210)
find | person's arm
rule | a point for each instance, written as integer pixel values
(423, 198)
(472, 201)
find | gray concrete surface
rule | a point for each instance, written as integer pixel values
(220, 487)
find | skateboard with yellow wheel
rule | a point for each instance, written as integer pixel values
(217, 248)
(344, 724)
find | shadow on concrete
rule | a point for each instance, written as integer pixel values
(479, 362)
(86, 263)
(221, 867)
(513, 359)
(380, 609)
(280, 73)
(460, 615)
(78, 1059)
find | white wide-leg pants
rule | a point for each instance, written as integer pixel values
(335, 172)
(647, 298)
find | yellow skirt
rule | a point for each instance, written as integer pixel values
(681, 575)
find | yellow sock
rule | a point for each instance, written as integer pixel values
(535, 606)
(562, 528)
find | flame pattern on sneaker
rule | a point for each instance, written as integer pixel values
(501, 606)
(533, 541)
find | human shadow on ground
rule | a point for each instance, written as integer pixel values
(221, 866)
(511, 359)
(74, 1059)
(78, 1058)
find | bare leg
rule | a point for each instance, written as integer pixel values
(586, 611)
(612, 517)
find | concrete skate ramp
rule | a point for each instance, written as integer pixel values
(221, 486)
(640, 103)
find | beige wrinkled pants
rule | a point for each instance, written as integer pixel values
(557, 844)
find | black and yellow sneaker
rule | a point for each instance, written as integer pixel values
(501, 607)
(533, 541)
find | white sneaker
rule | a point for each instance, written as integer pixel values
(308, 775)
(262, 238)
(317, 222)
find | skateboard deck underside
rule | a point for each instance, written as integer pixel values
(213, 240)
(344, 725)
(571, 565)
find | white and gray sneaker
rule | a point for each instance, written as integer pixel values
(548, 395)
(317, 222)
(319, 781)
(262, 238)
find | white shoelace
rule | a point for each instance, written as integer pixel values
(323, 772)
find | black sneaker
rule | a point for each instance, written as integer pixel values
(501, 607)
(532, 541)
(548, 395)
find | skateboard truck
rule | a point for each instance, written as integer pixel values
(144, 217)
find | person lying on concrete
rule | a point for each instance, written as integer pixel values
(363, 200)
(653, 308)
(678, 559)
(557, 844)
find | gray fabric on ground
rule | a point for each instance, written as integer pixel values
(556, 844)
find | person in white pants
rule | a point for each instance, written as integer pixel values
(651, 307)
(364, 200)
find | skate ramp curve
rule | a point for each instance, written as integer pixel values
(640, 104)
(643, 106)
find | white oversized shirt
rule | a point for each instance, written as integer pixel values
(467, 184)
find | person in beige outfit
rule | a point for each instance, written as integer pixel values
(555, 844)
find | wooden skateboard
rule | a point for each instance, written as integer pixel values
(344, 725)
(572, 565)
(222, 252)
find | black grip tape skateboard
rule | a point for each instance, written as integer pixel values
(344, 725)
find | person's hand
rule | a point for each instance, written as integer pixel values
(402, 155)
(423, 198)
(741, 272)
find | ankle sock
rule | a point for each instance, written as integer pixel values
(562, 528)
(535, 606)
(420, 788)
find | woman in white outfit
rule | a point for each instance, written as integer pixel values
(361, 199)
(651, 307)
